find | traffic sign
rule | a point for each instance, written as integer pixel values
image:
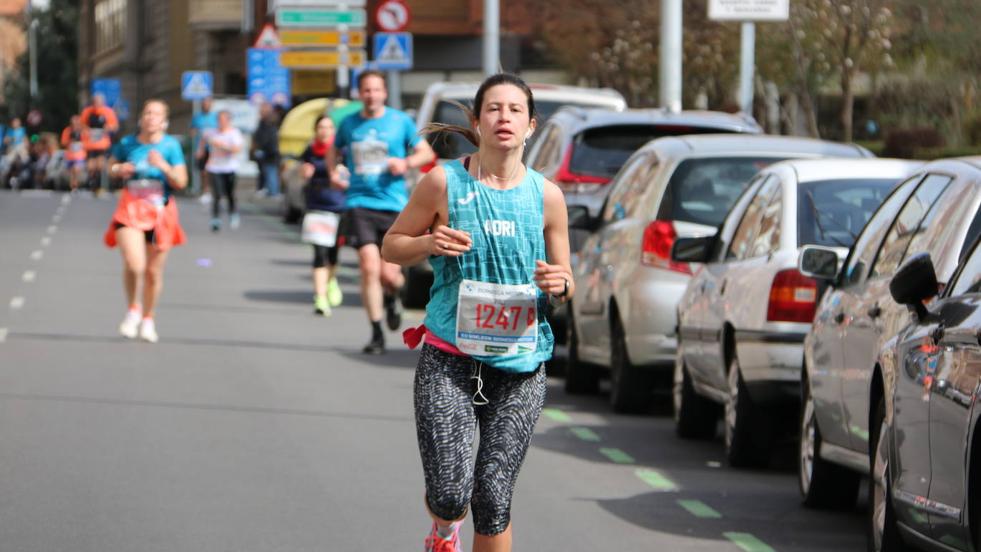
(278, 4)
(110, 89)
(266, 77)
(314, 82)
(314, 37)
(268, 38)
(320, 17)
(749, 10)
(392, 16)
(196, 85)
(393, 51)
(322, 59)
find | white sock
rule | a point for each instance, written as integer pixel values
(446, 532)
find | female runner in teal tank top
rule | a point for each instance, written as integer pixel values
(496, 234)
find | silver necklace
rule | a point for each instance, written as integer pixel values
(494, 176)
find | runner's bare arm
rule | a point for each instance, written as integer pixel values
(552, 276)
(421, 230)
(175, 175)
(421, 155)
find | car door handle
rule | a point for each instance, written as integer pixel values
(839, 318)
(938, 334)
(874, 311)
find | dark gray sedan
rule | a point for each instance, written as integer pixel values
(926, 471)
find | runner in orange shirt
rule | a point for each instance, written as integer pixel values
(100, 123)
(71, 141)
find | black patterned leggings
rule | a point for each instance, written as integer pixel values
(446, 422)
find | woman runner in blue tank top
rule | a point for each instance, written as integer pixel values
(496, 234)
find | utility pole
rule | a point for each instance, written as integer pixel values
(32, 47)
(670, 77)
(492, 36)
(747, 66)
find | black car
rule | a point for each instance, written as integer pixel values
(925, 438)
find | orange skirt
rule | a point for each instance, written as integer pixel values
(141, 215)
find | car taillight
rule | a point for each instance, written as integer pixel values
(576, 182)
(793, 297)
(655, 250)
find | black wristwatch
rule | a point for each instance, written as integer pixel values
(565, 293)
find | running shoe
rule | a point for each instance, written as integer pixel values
(233, 221)
(148, 331)
(130, 325)
(436, 543)
(374, 347)
(393, 312)
(334, 294)
(205, 199)
(215, 224)
(321, 305)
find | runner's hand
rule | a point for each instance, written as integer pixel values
(157, 160)
(336, 181)
(551, 278)
(449, 242)
(122, 170)
(397, 166)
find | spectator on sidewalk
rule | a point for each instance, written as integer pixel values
(224, 143)
(265, 151)
(200, 123)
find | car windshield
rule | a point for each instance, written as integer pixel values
(601, 151)
(833, 212)
(703, 190)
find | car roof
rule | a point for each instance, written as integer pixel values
(749, 144)
(816, 170)
(955, 164)
(467, 90)
(582, 117)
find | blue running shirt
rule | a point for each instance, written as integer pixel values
(507, 229)
(366, 145)
(131, 150)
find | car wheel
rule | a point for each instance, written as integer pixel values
(746, 433)
(882, 529)
(580, 378)
(822, 483)
(631, 390)
(695, 416)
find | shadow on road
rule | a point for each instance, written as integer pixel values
(397, 358)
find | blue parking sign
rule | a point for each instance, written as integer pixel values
(110, 89)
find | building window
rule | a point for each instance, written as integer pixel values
(110, 21)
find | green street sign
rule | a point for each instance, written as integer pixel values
(318, 17)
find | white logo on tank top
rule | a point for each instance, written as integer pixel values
(506, 228)
(465, 200)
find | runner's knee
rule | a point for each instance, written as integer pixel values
(447, 503)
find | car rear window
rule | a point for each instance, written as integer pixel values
(833, 212)
(601, 151)
(703, 190)
(450, 145)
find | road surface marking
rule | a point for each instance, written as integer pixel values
(52, 229)
(657, 481)
(16, 303)
(29, 276)
(36, 255)
(56, 219)
(66, 199)
(699, 509)
(3, 335)
(748, 542)
(617, 455)
(556, 415)
(585, 434)
(713, 464)
(45, 241)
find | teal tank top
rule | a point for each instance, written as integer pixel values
(507, 230)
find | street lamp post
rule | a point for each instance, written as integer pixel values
(492, 36)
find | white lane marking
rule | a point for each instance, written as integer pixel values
(16, 303)
(36, 255)
(36, 193)
(52, 229)
(66, 199)
(3, 335)
(29, 276)
(45, 241)
(56, 219)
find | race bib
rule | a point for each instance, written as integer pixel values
(96, 134)
(370, 156)
(147, 189)
(76, 146)
(320, 228)
(496, 319)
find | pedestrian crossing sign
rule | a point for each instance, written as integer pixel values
(196, 85)
(392, 51)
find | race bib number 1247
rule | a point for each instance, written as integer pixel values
(496, 319)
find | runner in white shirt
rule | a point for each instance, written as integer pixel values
(224, 143)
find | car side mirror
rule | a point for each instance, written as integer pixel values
(820, 263)
(693, 250)
(914, 282)
(580, 219)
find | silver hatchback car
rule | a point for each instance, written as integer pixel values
(623, 312)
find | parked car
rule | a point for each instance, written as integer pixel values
(935, 211)
(439, 105)
(743, 318)
(925, 439)
(581, 149)
(627, 287)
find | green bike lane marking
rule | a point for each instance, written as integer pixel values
(585, 434)
(748, 542)
(617, 455)
(556, 415)
(656, 480)
(699, 509)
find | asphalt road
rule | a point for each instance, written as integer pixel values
(256, 426)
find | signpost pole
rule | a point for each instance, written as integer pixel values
(395, 89)
(343, 82)
(671, 51)
(193, 162)
(492, 37)
(747, 66)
